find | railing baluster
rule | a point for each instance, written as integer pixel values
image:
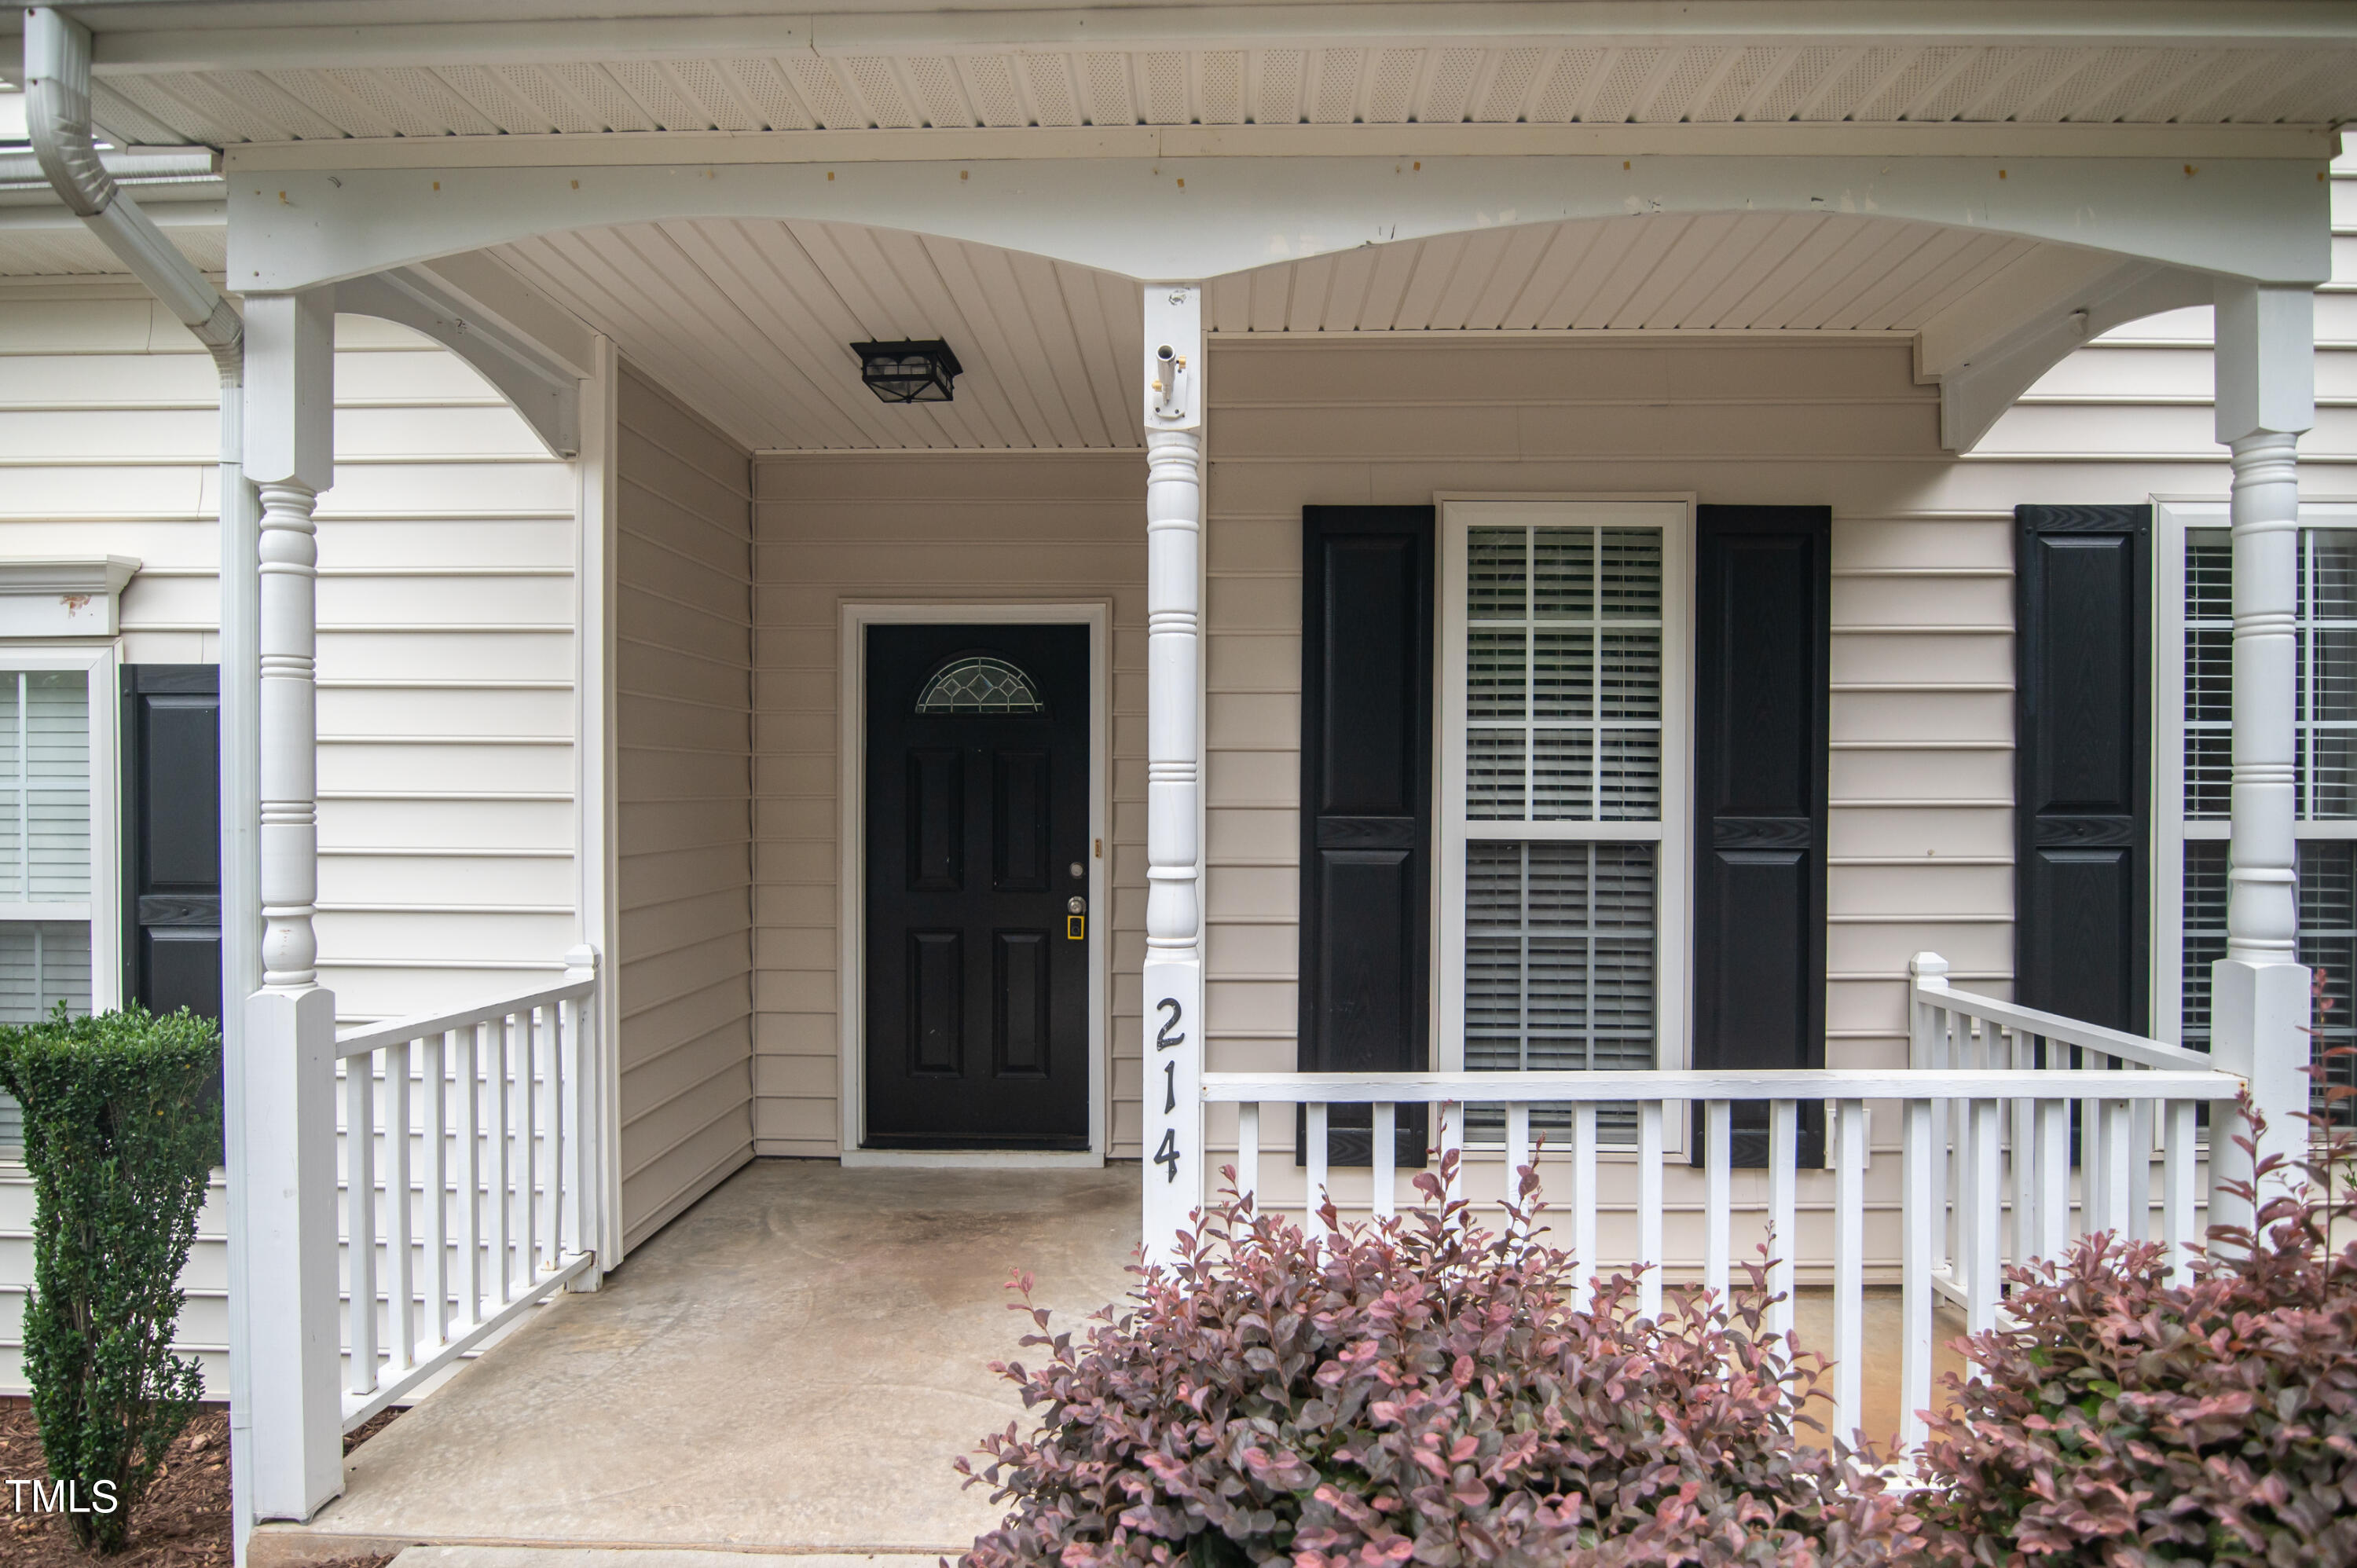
(2093, 1201)
(1248, 1137)
(436, 1213)
(1518, 1145)
(1718, 1203)
(1849, 1267)
(526, 1168)
(2116, 1150)
(1648, 1207)
(1982, 1283)
(2054, 1179)
(1783, 1174)
(1382, 1161)
(360, 1234)
(1452, 1142)
(1947, 1157)
(1963, 1191)
(1583, 1200)
(471, 1041)
(2022, 1117)
(1916, 1249)
(404, 1316)
(578, 1101)
(552, 1249)
(2176, 1214)
(1315, 1225)
(2140, 1126)
(502, 1211)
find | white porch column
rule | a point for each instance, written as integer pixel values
(2265, 397)
(290, 1023)
(1173, 1048)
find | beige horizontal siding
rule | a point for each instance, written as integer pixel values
(933, 528)
(684, 803)
(446, 757)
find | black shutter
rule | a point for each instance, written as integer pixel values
(2082, 762)
(1764, 591)
(1366, 802)
(171, 802)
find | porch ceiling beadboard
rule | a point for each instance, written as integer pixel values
(752, 321)
(1425, 72)
(1742, 272)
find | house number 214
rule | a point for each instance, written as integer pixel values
(1166, 1153)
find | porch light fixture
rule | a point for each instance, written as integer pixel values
(917, 370)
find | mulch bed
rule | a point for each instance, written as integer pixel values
(182, 1522)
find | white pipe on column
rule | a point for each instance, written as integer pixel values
(1174, 1176)
(2259, 992)
(58, 120)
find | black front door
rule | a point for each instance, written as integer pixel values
(977, 881)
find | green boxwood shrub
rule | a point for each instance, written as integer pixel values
(121, 1129)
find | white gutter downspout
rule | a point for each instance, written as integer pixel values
(57, 115)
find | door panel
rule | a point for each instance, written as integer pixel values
(1762, 633)
(977, 984)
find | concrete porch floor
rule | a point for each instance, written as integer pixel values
(790, 1367)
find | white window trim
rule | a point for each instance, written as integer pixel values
(105, 909)
(2173, 516)
(1673, 942)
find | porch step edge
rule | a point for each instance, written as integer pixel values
(658, 1557)
(299, 1546)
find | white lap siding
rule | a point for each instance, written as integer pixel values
(446, 649)
(684, 786)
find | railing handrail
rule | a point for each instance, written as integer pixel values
(1724, 1083)
(2064, 1031)
(376, 1036)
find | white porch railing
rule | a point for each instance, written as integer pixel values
(1990, 1149)
(470, 1178)
(1953, 1186)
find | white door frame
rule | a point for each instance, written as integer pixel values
(851, 869)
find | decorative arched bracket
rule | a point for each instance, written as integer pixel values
(535, 377)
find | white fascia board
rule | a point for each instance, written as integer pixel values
(2307, 143)
(1736, 23)
(2266, 221)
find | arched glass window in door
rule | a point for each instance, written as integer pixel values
(980, 684)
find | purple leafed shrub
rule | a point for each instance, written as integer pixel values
(1420, 1390)
(2124, 1421)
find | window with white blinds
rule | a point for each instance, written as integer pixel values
(1556, 686)
(2324, 775)
(45, 850)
